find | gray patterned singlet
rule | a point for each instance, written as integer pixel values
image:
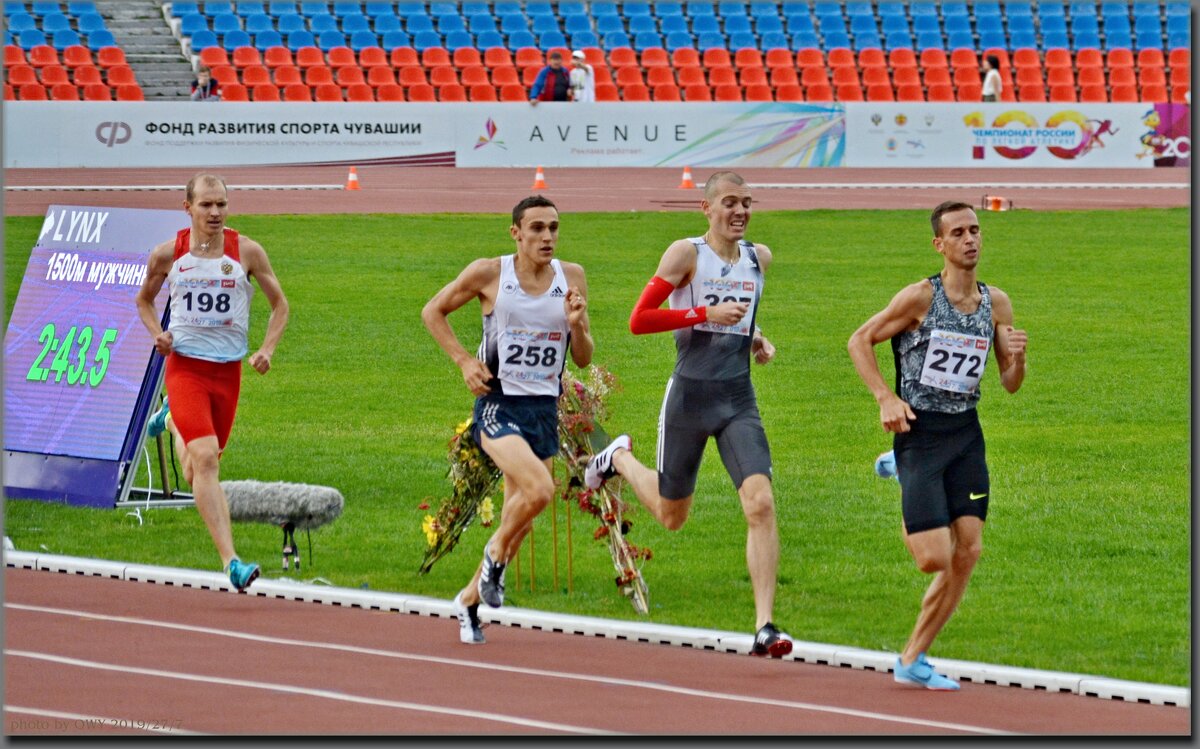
(958, 367)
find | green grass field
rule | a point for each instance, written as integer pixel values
(1086, 563)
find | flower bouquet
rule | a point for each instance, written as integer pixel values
(473, 477)
(581, 408)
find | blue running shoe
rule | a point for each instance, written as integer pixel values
(158, 422)
(241, 574)
(491, 581)
(885, 465)
(921, 672)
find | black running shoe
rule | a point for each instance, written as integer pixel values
(770, 641)
(491, 581)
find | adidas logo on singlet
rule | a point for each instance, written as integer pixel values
(557, 292)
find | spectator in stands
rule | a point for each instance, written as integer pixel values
(992, 83)
(204, 88)
(583, 78)
(553, 82)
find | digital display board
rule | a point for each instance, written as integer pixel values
(77, 358)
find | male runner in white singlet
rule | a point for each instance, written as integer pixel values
(941, 329)
(208, 268)
(714, 283)
(534, 311)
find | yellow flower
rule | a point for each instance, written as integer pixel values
(485, 511)
(462, 427)
(429, 526)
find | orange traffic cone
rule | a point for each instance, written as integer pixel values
(352, 180)
(996, 203)
(539, 180)
(687, 183)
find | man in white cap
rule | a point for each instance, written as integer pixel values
(583, 78)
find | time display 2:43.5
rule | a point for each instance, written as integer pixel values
(77, 345)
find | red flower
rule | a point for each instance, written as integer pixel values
(423, 506)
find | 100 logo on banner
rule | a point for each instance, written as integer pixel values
(1022, 140)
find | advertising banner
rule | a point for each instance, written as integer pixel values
(1004, 134)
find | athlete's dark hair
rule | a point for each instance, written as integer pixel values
(950, 206)
(190, 192)
(533, 201)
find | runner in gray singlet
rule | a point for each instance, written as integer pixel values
(714, 284)
(941, 329)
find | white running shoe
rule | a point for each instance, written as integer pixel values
(469, 629)
(600, 467)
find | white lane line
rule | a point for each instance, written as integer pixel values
(321, 693)
(703, 694)
(975, 185)
(78, 721)
(72, 188)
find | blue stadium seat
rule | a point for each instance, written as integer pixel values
(930, 40)
(827, 8)
(892, 24)
(950, 10)
(1117, 25)
(393, 39)
(101, 38)
(742, 40)
(1088, 40)
(1086, 25)
(990, 39)
(518, 39)
(423, 40)
(280, 7)
(923, 8)
(1147, 41)
(1118, 40)
(450, 23)
(675, 24)
(738, 25)
(192, 23)
(1019, 39)
(480, 22)
(1055, 40)
(226, 22)
(1141, 25)
(859, 9)
(985, 8)
(267, 39)
(804, 40)
(213, 7)
(458, 39)
(765, 8)
(542, 24)
(513, 22)
(415, 24)
(407, 8)
(360, 40)
(774, 40)
(581, 39)
(79, 7)
(612, 40)
(1050, 9)
(679, 40)
(706, 25)
(1082, 8)
(250, 8)
(698, 8)
(442, 8)
(1020, 23)
(633, 8)
(576, 24)
(552, 39)
(22, 21)
(966, 40)
(799, 22)
(1054, 25)
(641, 24)
(711, 41)
(1178, 41)
(538, 9)
(668, 9)
(869, 40)
(236, 38)
(836, 39)
(321, 23)
(885, 9)
(768, 25)
(897, 40)
(387, 22)
(507, 7)
(989, 24)
(201, 40)
(259, 23)
(829, 24)
(572, 8)
(376, 8)
(64, 38)
(291, 23)
(1111, 9)
(298, 39)
(726, 8)
(1178, 9)
(1018, 9)
(604, 8)
(355, 22)
(646, 40)
(43, 7)
(55, 22)
(926, 25)
(486, 39)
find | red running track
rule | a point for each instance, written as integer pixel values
(91, 655)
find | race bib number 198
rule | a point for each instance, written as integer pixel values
(954, 361)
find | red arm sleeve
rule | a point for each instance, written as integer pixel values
(648, 318)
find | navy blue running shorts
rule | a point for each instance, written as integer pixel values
(533, 418)
(694, 410)
(942, 467)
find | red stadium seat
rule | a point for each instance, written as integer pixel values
(517, 92)
(507, 75)
(1056, 57)
(789, 92)
(696, 93)
(342, 57)
(1027, 57)
(659, 76)
(1091, 77)
(1124, 93)
(372, 57)
(1180, 93)
(670, 92)
(1119, 58)
(234, 92)
(274, 57)
(10, 93)
(727, 93)
(1060, 77)
(872, 57)
(1063, 93)
(783, 77)
(715, 57)
(380, 75)
(1180, 57)
(264, 92)
(819, 92)
(391, 92)
(849, 92)
(14, 55)
(403, 56)
(1031, 92)
(778, 58)
(464, 56)
(97, 92)
(327, 92)
(970, 92)
(627, 76)
(474, 75)
(436, 57)
(809, 57)
(722, 77)
(933, 57)
(1093, 93)
(1155, 94)
(747, 57)
(655, 57)
(495, 57)
(690, 76)
(686, 57)
(963, 58)
(350, 76)
(841, 57)
(604, 92)
(419, 92)
(310, 57)
(243, 56)
(120, 75)
(1150, 57)
(210, 56)
(285, 75)
(1146, 77)
(907, 92)
(940, 92)
(814, 77)
(43, 55)
(22, 75)
(967, 76)
(527, 56)
(64, 92)
(130, 92)
(451, 92)
(758, 93)
(845, 76)
(933, 77)
(76, 55)
(52, 75)
(753, 77)
(874, 76)
(106, 57)
(635, 92)
(360, 92)
(413, 75)
(253, 75)
(297, 92)
(880, 92)
(482, 92)
(87, 74)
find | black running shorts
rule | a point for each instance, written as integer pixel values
(533, 418)
(693, 411)
(942, 467)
